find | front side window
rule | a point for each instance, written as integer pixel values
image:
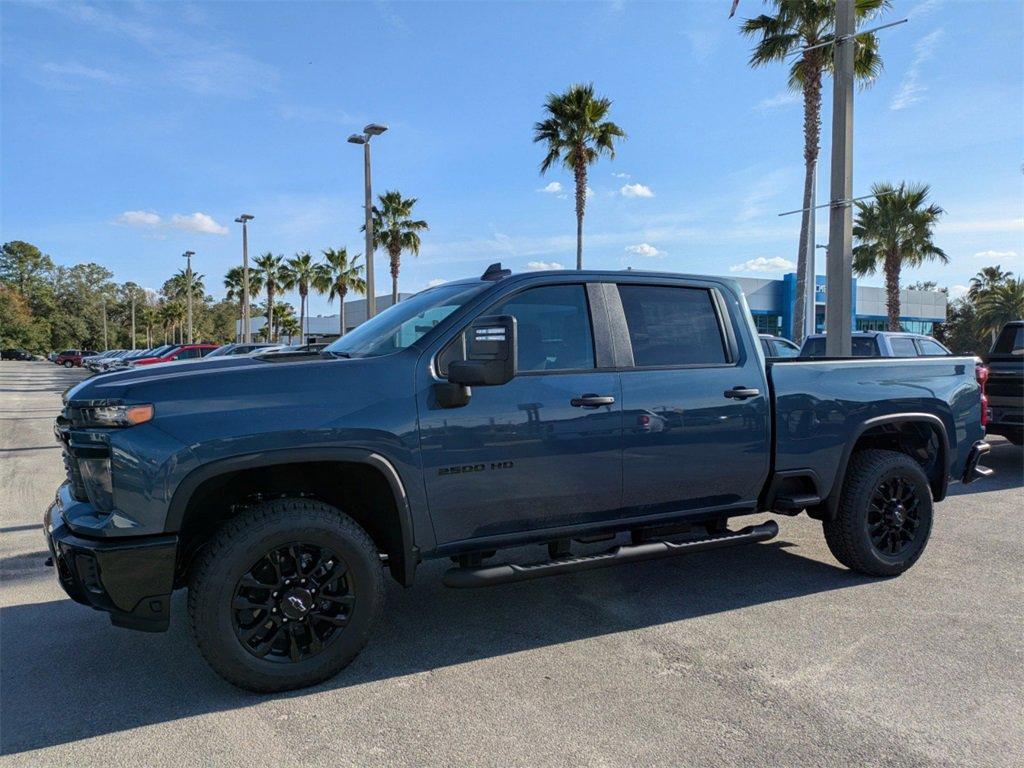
(903, 346)
(552, 326)
(672, 326)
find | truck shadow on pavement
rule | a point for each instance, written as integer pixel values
(68, 675)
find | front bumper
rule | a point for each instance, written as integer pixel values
(129, 578)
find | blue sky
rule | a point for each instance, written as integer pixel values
(132, 132)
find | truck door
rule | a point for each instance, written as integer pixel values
(695, 402)
(541, 450)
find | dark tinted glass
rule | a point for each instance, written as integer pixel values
(903, 346)
(1010, 338)
(863, 347)
(672, 326)
(782, 349)
(553, 328)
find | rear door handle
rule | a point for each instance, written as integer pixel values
(742, 393)
(591, 401)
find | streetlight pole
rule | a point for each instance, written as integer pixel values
(839, 256)
(371, 130)
(244, 219)
(188, 279)
(105, 345)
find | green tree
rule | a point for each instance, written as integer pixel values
(234, 282)
(18, 326)
(303, 274)
(343, 275)
(794, 26)
(273, 277)
(577, 134)
(1001, 304)
(395, 230)
(987, 279)
(893, 231)
(24, 266)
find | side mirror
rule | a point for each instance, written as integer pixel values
(490, 353)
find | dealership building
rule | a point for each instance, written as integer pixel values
(771, 303)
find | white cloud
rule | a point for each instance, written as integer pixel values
(956, 291)
(635, 190)
(541, 265)
(436, 282)
(74, 70)
(644, 249)
(621, 175)
(198, 222)
(762, 264)
(553, 188)
(783, 99)
(912, 90)
(139, 219)
(980, 225)
(996, 255)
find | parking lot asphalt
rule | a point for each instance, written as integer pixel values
(768, 654)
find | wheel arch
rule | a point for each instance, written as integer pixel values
(196, 489)
(895, 431)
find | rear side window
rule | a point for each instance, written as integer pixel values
(672, 326)
(188, 354)
(782, 349)
(903, 347)
(931, 348)
(863, 347)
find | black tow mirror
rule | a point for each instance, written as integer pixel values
(490, 353)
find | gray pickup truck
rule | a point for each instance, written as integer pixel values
(560, 409)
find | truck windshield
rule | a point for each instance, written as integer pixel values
(402, 324)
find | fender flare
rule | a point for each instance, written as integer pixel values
(831, 503)
(187, 487)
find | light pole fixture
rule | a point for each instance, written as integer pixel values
(369, 131)
(188, 289)
(244, 219)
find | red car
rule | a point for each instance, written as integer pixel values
(184, 352)
(72, 358)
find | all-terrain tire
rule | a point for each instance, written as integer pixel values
(240, 544)
(848, 534)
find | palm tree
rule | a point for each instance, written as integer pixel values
(799, 24)
(577, 133)
(289, 327)
(302, 273)
(987, 279)
(395, 230)
(272, 274)
(343, 275)
(1001, 304)
(894, 230)
(234, 282)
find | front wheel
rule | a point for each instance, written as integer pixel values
(884, 518)
(285, 596)
(68, 364)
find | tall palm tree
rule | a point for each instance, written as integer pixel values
(395, 230)
(577, 134)
(343, 275)
(894, 230)
(234, 282)
(986, 279)
(303, 274)
(1001, 304)
(795, 25)
(272, 274)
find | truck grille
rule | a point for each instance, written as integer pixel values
(74, 476)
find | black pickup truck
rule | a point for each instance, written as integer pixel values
(1005, 387)
(558, 409)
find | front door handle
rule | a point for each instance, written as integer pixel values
(742, 393)
(591, 401)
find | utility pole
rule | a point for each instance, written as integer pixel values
(839, 257)
(105, 345)
(188, 280)
(133, 317)
(371, 130)
(244, 219)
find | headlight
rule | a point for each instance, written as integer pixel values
(118, 415)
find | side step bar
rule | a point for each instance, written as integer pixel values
(486, 576)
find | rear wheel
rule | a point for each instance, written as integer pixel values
(68, 364)
(285, 595)
(884, 518)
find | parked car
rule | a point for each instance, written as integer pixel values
(241, 349)
(1005, 364)
(776, 347)
(481, 415)
(16, 354)
(176, 353)
(93, 361)
(880, 344)
(129, 358)
(72, 358)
